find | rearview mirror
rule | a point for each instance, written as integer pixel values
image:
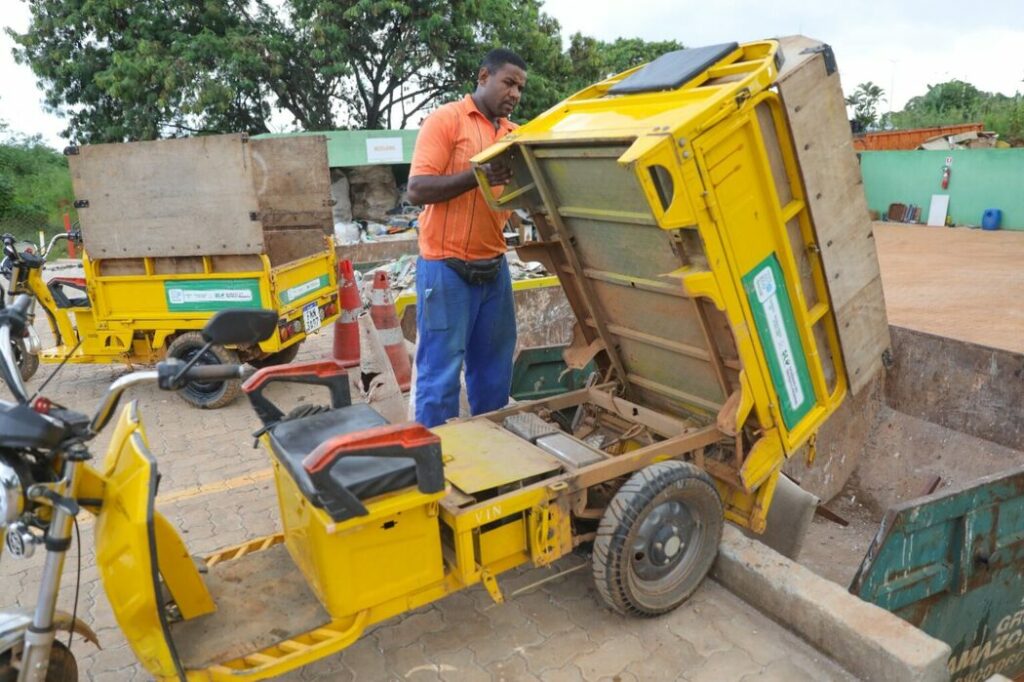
(240, 327)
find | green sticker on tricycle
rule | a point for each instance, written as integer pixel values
(776, 328)
(212, 294)
(300, 290)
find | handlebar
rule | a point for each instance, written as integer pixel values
(163, 372)
(214, 373)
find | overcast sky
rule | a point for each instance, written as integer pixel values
(901, 45)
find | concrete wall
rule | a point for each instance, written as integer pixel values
(980, 179)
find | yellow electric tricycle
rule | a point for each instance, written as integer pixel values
(671, 207)
(175, 230)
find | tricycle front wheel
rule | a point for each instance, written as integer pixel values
(208, 395)
(27, 362)
(657, 539)
(62, 666)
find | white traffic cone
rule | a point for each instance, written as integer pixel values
(377, 379)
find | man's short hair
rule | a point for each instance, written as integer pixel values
(499, 57)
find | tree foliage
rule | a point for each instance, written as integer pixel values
(143, 69)
(35, 187)
(958, 102)
(594, 60)
(864, 102)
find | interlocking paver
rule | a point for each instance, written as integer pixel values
(216, 489)
(552, 654)
(512, 669)
(725, 665)
(458, 666)
(610, 658)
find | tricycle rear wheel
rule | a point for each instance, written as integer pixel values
(281, 357)
(208, 395)
(657, 539)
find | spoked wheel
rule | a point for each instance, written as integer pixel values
(27, 362)
(62, 666)
(657, 539)
(208, 395)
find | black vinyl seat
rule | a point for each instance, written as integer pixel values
(364, 477)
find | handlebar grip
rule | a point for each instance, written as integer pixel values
(213, 373)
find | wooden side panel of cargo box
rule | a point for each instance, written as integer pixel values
(168, 198)
(293, 188)
(813, 98)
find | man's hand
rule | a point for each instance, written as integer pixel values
(498, 173)
(433, 189)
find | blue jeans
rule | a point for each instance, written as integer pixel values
(458, 322)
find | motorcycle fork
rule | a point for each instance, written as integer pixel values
(35, 655)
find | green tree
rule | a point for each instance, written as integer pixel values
(958, 102)
(155, 68)
(35, 187)
(864, 101)
(594, 60)
(120, 70)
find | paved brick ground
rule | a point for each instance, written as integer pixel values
(216, 488)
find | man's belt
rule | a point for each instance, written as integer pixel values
(476, 271)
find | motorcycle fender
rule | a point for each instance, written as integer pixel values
(13, 625)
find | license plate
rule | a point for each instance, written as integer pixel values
(311, 317)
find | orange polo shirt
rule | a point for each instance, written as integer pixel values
(463, 227)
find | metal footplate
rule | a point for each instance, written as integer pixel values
(570, 451)
(529, 426)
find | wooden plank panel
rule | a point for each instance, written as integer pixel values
(183, 197)
(814, 105)
(293, 182)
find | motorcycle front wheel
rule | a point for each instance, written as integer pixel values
(28, 363)
(62, 667)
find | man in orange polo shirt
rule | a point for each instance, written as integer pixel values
(464, 310)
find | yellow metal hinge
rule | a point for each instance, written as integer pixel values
(491, 583)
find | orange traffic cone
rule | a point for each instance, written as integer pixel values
(346, 328)
(382, 310)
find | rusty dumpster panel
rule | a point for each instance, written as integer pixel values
(952, 564)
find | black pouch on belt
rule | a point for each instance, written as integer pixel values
(476, 271)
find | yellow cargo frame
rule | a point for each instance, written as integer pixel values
(715, 166)
(129, 319)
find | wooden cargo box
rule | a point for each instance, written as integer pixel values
(220, 195)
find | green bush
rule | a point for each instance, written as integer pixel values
(35, 189)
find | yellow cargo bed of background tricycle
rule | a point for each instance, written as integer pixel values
(175, 230)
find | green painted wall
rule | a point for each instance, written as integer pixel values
(349, 147)
(979, 179)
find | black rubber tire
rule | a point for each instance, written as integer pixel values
(281, 357)
(657, 539)
(62, 667)
(28, 363)
(206, 395)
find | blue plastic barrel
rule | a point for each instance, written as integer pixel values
(990, 219)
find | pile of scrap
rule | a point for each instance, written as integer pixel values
(973, 139)
(370, 205)
(402, 272)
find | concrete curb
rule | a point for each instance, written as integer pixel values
(868, 641)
